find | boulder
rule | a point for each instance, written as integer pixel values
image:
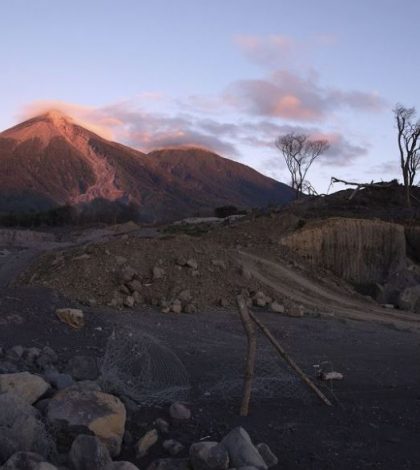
(58, 380)
(162, 425)
(122, 465)
(185, 296)
(47, 358)
(83, 368)
(17, 351)
(21, 428)
(179, 411)
(101, 413)
(73, 317)
(297, 311)
(209, 456)
(170, 464)
(158, 273)
(176, 306)
(134, 286)
(126, 274)
(88, 453)
(267, 454)
(241, 450)
(31, 355)
(276, 307)
(173, 447)
(190, 308)
(224, 302)
(192, 263)
(146, 442)
(27, 461)
(28, 387)
(120, 260)
(409, 299)
(129, 301)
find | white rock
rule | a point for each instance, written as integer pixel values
(242, 451)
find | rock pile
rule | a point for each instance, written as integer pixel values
(56, 415)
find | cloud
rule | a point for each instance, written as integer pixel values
(134, 125)
(341, 152)
(86, 116)
(290, 96)
(270, 50)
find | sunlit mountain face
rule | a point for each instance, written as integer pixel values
(50, 161)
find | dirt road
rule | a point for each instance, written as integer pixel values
(297, 287)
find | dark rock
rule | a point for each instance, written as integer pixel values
(209, 456)
(83, 368)
(88, 453)
(179, 411)
(26, 461)
(47, 358)
(170, 464)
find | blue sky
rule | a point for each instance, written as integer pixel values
(229, 75)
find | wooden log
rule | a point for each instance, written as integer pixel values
(289, 360)
(251, 353)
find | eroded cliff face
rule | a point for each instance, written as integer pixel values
(359, 251)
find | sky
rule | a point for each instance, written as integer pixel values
(228, 75)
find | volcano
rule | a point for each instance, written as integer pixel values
(50, 161)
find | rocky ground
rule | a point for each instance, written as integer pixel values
(147, 366)
(374, 422)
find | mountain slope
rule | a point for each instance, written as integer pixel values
(50, 161)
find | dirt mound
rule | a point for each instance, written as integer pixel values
(357, 250)
(196, 271)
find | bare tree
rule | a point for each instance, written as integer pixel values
(408, 144)
(299, 152)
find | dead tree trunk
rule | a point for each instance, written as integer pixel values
(251, 352)
(360, 186)
(289, 360)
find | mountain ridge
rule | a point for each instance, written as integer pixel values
(50, 160)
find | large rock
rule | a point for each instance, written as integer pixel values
(28, 387)
(409, 299)
(101, 413)
(122, 465)
(21, 429)
(357, 250)
(241, 450)
(27, 461)
(170, 464)
(83, 368)
(89, 453)
(209, 456)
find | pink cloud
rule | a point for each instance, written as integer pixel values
(288, 95)
(86, 116)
